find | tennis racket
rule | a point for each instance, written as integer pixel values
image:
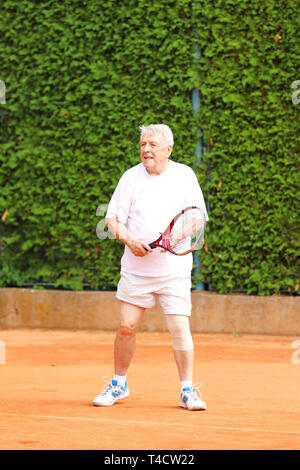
(184, 234)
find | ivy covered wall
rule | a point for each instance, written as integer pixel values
(80, 78)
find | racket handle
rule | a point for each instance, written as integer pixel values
(152, 245)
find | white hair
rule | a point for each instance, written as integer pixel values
(161, 129)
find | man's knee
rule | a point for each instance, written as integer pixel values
(127, 331)
(179, 327)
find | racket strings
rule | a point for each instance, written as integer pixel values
(186, 230)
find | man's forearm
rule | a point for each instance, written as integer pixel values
(119, 230)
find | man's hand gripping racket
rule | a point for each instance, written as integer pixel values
(184, 234)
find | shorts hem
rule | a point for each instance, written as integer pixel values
(133, 302)
(177, 313)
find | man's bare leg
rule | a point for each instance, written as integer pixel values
(185, 364)
(125, 341)
(124, 348)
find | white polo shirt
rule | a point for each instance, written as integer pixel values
(146, 204)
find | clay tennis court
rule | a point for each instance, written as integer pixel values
(250, 384)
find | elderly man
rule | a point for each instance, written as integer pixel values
(146, 198)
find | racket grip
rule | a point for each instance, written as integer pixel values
(152, 245)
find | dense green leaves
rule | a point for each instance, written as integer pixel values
(81, 76)
(249, 61)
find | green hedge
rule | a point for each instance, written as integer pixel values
(250, 58)
(81, 76)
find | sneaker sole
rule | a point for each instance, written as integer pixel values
(196, 408)
(122, 397)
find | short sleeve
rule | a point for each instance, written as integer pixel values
(194, 196)
(120, 202)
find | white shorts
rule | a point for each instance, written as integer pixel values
(173, 292)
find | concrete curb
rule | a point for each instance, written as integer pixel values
(212, 313)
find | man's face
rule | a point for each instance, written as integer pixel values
(154, 153)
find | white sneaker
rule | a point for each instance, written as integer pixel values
(111, 393)
(190, 400)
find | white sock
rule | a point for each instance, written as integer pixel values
(186, 383)
(121, 379)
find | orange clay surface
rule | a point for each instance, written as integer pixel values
(251, 385)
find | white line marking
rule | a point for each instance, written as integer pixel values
(149, 423)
